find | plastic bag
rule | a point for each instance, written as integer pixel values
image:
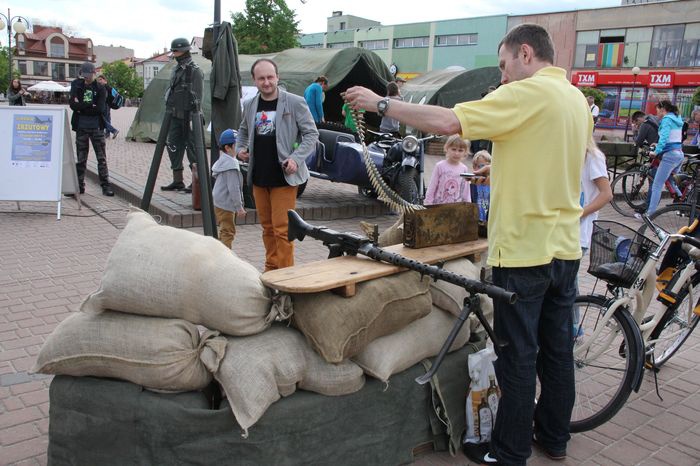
(484, 395)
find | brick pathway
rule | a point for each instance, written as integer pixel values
(47, 267)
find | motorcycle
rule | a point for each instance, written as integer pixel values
(399, 161)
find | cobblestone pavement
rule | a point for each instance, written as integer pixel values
(47, 267)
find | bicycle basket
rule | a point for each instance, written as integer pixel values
(618, 253)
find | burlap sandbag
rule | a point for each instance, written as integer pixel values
(450, 297)
(257, 370)
(157, 353)
(339, 328)
(392, 235)
(161, 271)
(391, 354)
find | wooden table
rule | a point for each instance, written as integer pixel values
(341, 274)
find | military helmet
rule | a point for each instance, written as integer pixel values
(180, 45)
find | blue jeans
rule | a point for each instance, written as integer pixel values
(670, 163)
(538, 330)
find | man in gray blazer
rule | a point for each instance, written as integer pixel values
(276, 135)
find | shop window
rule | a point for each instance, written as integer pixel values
(656, 96)
(608, 111)
(684, 101)
(629, 103)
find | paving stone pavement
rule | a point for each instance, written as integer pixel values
(47, 267)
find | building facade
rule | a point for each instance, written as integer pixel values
(108, 54)
(149, 67)
(47, 53)
(598, 48)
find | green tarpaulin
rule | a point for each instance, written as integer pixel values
(448, 87)
(297, 69)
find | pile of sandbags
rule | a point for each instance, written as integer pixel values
(160, 283)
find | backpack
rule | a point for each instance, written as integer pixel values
(115, 100)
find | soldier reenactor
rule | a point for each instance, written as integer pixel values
(183, 97)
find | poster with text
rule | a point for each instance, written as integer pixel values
(31, 141)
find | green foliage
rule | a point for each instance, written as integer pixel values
(598, 95)
(266, 26)
(125, 79)
(696, 97)
(4, 77)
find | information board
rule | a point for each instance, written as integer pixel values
(36, 154)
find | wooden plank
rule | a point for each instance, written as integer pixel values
(342, 272)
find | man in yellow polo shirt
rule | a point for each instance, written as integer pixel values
(539, 124)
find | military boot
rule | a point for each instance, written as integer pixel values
(177, 183)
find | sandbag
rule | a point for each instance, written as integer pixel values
(391, 354)
(339, 328)
(157, 353)
(257, 370)
(392, 235)
(162, 271)
(450, 297)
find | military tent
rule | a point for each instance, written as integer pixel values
(448, 87)
(297, 69)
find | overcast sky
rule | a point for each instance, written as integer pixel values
(147, 26)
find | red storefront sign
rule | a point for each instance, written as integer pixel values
(661, 79)
(587, 79)
(651, 79)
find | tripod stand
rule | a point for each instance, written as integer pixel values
(197, 124)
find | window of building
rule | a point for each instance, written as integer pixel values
(408, 42)
(73, 70)
(20, 42)
(586, 54)
(312, 46)
(456, 39)
(58, 48)
(22, 67)
(155, 70)
(375, 44)
(58, 71)
(41, 68)
(340, 45)
(666, 45)
(342, 26)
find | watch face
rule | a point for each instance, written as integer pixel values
(393, 69)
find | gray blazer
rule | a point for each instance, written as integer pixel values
(293, 123)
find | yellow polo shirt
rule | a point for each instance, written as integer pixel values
(539, 127)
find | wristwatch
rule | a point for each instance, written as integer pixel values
(382, 106)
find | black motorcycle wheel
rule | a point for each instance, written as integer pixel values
(301, 188)
(408, 188)
(367, 192)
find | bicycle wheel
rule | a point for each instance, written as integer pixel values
(635, 187)
(676, 325)
(605, 368)
(670, 218)
(630, 191)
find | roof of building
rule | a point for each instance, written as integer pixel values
(35, 43)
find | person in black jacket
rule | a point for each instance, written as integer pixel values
(87, 100)
(647, 129)
(16, 93)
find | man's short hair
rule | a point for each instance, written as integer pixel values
(533, 35)
(638, 114)
(260, 60)
(322, 79)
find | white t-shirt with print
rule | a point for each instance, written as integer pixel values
(593, 168)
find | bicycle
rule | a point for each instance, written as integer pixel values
(619, 334)
(634, 185)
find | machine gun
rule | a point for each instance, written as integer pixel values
(353, 244)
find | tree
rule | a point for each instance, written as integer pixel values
(123, 78)
(598, 95)
(266, 26)
(4, 83)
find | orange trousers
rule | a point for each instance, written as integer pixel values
(272, 205)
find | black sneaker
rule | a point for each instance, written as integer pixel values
(107, 190)
(556, 455)
(174, 186)
(479, 453)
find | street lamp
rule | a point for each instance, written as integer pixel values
(12, 22)
(635, 72)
